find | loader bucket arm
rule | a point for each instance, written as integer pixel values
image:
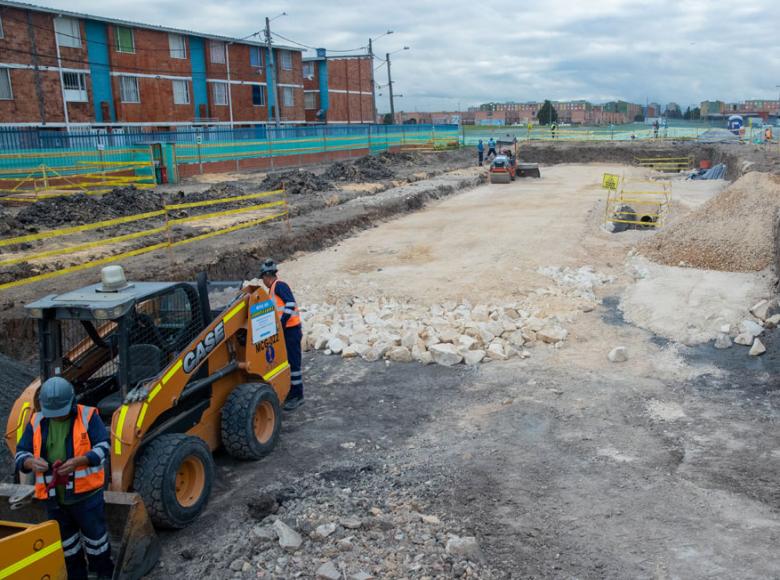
(134, 544)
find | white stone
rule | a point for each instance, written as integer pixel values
(351, 523)
(485, 334)
(328, 571)
(552, 334)
(376, 352)
(761, 309)
(264, 532)
(445, 354)
(508, 325)
(324, 530)
(430, 519)
(409, 339)
(473, 357)
(361, 576)
(529, 335)
(757, 348)
(466, 342)
(535, 324)
(399, 354)
(751, 328)
(494, 327)
(516, 338)
(336, 345)
(725, 328)
(744, 339)
(512, 313)
(289, 539)
(321, 341)
(496, 351)
(723, 341)
(772, 321)
(425, 358)
(480, 313)
(465, 548)
(618, 354)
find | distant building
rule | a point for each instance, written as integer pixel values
(672, 108)
(338, 89)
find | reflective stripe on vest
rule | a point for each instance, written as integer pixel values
(290, 308)
(83, 480)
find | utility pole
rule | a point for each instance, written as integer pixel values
(390, 86)
(373, 82)
(272, 77)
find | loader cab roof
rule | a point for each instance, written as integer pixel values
(94, 297)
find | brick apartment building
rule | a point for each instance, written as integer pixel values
(63, 69)
(763, 108)
(337, 89)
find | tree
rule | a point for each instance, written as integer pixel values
(687, 114)
(388, 119)
(696, 114)
(639, 118)
(547, 114)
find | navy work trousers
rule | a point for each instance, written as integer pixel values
(292, 341)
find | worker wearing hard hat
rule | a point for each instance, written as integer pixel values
(290, 316)
(66, 445)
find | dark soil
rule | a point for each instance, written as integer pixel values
(296, 182)
(14, 377)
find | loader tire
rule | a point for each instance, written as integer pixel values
(251, 421)
(174, 475)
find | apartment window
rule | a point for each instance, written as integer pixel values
(68, 32)
(219, 93)
(310, 100)
(286, 58)
(178, 46)
(2, 34)
(258, 95)
(256, 57)
(5, 85)
(128, 89)
(181, 93)
(308, 70)
(217, 50)
(288, 97)
(124, 39)
(75, 85)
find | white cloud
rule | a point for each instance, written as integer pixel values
(469, 52)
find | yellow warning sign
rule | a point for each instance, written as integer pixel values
(610, 181)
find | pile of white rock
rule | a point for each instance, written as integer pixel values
(748, 331)
(448, 333)
(577, 282)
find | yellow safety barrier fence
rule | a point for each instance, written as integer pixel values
(165, 228)
(667, 164)
(643, 208)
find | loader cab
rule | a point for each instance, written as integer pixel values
(111, 337)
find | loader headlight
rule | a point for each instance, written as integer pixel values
(36, 312)
(101, 314)
(117, 311)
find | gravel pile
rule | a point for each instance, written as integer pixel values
(347, 523)
(731, 232)
(296, 182)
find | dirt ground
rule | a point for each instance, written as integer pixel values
(564, 465)
(560, 465)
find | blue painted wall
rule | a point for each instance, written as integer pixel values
(200, 91)
(270, 78)
(97, 53)
(322, 72)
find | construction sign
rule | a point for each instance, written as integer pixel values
(610, 181)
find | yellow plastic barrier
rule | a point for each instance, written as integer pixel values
(670, 164)
(135, 235)
(639, 207)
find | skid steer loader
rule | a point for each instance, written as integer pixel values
(173, 376)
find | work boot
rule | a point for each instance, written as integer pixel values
(293, 403)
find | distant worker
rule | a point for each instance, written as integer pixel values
(287, 309)
(656, 126)
(768, 133)
(553, 128)
(491, 147)
(480, 152)
(66, 445)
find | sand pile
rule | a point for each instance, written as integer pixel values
(731, 232)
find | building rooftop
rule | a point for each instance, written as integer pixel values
(130, 23)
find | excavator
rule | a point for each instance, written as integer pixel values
(176, 370)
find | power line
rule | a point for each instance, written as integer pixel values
(315, 48)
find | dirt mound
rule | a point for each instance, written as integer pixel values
(731, 232)
(81, 209)
(9, 224)
(216, 191)
(368, 168)
(296, 182)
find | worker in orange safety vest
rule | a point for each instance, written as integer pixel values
(290, 316)
(66, 446)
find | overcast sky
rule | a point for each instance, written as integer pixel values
(467, 52)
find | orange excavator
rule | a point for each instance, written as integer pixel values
(176, 370)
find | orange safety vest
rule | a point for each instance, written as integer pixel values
(84, 479)
(282, 308)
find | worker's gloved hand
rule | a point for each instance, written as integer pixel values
(71, 465)
(36, 464)
(56, 478)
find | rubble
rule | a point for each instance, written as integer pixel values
(723, 341)
(579, 282)
(289, 539)
(466, 548)
(328, 571)
(618, 354)
(761, 310)
(296, 182)
(447, 334)
(758, 348)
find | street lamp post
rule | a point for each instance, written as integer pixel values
(390, 80)
(371, 55)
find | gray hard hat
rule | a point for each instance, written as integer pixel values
(56, 397)
(268, 267)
